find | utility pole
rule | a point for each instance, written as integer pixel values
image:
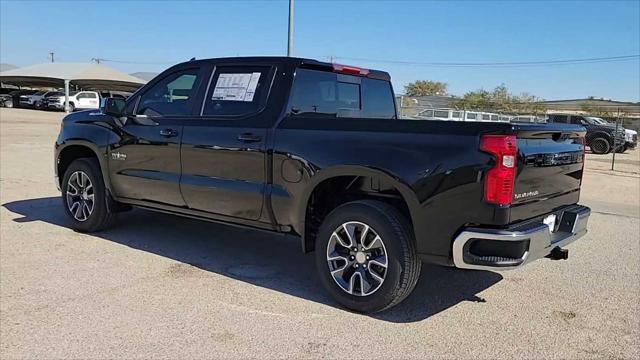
(96, 60)
(290, 39)
(615, 145)
(51, 56)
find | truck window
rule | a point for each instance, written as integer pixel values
(441, 114)
(327, 94)
(578, 120)
(559, 119)
(237, 90)
(172, 95)
(378, 99)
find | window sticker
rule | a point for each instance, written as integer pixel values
(236, 87)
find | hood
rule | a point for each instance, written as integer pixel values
(607, 128)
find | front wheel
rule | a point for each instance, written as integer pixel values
(366, 256)
(600, 146)
(84, 196)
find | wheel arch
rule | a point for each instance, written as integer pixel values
(75, 149)
(600, 134)
(349, 175)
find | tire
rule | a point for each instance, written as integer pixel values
(600, 146)
(95, 214)
(402, 270)
(72, 107)
(8, 104)
(621, 149)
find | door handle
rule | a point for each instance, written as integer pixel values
(168, 133)
(248, 137)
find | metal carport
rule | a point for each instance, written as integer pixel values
(87, 76)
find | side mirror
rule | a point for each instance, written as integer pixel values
(114, 107)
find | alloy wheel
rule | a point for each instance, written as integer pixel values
(600, 146)
(357, 258)
(80, 196)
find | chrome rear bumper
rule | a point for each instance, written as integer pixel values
(536, 240)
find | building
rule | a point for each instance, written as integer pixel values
(630, 109)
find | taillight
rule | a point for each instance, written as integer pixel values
(351, 70)
(498, 183)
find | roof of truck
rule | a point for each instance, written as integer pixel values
(295, 61)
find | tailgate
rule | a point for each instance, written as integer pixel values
(550, 165)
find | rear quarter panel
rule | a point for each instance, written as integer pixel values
(435, 165)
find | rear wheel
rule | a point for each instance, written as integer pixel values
(8, 103)
(621, 149)
(600, 146)
(72, 107)
(366, 256)
(84, 196)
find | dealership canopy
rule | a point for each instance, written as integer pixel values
(87, 76)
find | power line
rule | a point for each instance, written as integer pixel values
(562, 62)
(501, 64)
(142, 62)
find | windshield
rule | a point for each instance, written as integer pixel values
(39, 93)
(595, 120)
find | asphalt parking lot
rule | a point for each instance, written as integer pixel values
(158, 286)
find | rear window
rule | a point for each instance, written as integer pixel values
(327, 94)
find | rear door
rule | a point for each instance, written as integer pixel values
(223, 150)
(83, 100)
(145, 162)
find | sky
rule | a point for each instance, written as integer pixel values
(151, 36)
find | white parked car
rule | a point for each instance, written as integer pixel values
(77, 100)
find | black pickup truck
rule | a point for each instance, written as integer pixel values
(316, 150)
(601, 137)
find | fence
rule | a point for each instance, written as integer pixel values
(409, 108)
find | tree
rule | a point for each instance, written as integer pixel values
(591, 108)
(475, 100)
(500, 100)
(425, 87)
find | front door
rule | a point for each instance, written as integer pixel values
(223, 151)
(145, 162)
